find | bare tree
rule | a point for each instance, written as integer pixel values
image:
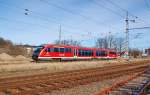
(7, 46)
(102, 43)
(119, 44)
(135, 52)
(99, 43)
(110, 42)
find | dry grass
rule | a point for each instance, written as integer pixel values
(20, 63)
(6, 59)
(55, 67)
(63, 66)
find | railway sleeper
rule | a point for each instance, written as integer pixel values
(78, 81)
(29, 86)
(34, 76)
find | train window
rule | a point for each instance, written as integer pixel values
(86, 53)
(38, 50)
(50, 49)
(101, 53)
(68, 50)
(89, 53)
(80, 52)
(112, 52)
(62, 49)
(97, 53)
(56, 49)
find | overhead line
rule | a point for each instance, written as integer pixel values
(47, 19)
(74, 13)
(109, 9)
(42, 17)
(147, 4)
(116, 5)
(140, 28)
(18, 21)
(125, 10)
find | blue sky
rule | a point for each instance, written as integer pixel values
(82, 20)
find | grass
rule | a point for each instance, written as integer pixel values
(63, 66)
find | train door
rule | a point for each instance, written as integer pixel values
(75, 53)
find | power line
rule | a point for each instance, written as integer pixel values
(117, 6)
(27, 23)
(34, 14)
(147, 4)
(107, 8)
(18, 21)
(74, 13)
(41, 16)
(139, 28)
(125, 10)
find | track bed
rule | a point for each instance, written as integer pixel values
(46, 83)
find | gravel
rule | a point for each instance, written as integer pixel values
(90, 89)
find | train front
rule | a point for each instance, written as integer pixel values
(36, 52)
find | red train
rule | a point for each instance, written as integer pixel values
(64, 52)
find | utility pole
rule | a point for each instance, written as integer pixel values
(127, 35)
(109, 40)
(60, 34)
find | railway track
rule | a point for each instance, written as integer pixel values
(134, 85)
(45, 83)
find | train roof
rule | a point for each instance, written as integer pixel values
(71, 46)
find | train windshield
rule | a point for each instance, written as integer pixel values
(38, 50)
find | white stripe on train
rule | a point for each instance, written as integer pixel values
(73, 57)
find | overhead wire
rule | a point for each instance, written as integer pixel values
(74, 13)
(78, 14)
(20, 21)
(69, 11)
(107, 8)
(125, 10)
(40, 16)
(23, 22)
(147, 4)
(101, 4)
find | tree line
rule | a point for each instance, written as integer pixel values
(107, 42)
(110, 42)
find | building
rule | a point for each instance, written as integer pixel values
(147, 52)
